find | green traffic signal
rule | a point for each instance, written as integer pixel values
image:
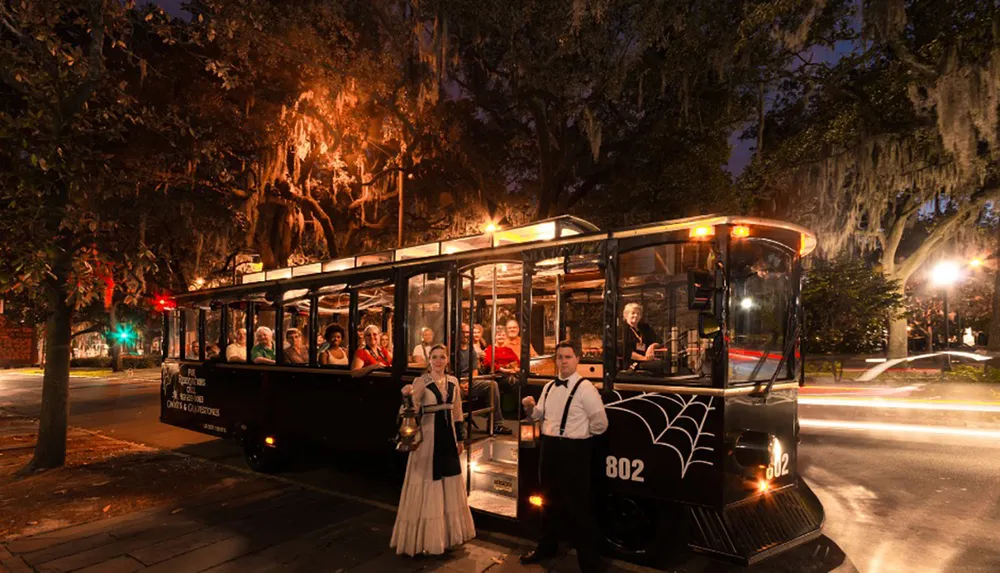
(124, 334)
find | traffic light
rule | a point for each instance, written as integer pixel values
(163, 303)
(124, 334)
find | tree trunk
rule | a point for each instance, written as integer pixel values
(50, 452)
(897, 329)
(897, 337)
(116, 346)
(993, 343)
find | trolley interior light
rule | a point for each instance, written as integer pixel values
(746, 303)
(741, 231)
(702, 232)
(535, 500)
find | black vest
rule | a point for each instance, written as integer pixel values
(446, 462)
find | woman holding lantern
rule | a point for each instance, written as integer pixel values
(434, 513)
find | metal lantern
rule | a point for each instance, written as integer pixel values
(409, 437)
(531, 433)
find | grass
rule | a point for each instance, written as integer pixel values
(81, 372)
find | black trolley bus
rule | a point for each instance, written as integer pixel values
(702, 441)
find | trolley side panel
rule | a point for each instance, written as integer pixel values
(663, 446)
(208, 399)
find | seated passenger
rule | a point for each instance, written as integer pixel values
(237, 351)
(334, 354)
(370, 356)
(385, 342)
(212, 351)
(422, 351)
(478, 342)
(263, 348)
(295, 351)
(514, 338)
(641, 342)
(506, 359)
(192, 353)
(481, 389)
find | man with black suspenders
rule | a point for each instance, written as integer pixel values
(571, 412)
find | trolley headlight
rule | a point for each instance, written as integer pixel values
(755, 449)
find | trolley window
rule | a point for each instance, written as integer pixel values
(760, 307)
(174, 326)
(568, 304)
(658, 333)
(213, 333)
(262, 351)
(426, 324)
(192, 342)
(236, 335)
(375, 315)
(296, 328)
(491, 296)
(333, 306)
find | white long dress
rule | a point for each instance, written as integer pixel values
(433, 515)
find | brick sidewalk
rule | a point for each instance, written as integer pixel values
(228, 521)
(258, 525)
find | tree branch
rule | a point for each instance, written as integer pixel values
(941, 232)
(95, 55)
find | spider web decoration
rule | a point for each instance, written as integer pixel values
(674, 421)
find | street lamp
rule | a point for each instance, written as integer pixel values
(944, 275)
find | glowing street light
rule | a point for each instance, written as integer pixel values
(746, 303)
(976, 263)
(491, 228)
(945, 274)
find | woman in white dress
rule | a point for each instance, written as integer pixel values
(433, 513)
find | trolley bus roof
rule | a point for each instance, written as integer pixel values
(565, 229)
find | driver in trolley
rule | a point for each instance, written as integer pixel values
(571, 412)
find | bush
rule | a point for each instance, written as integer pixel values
(93, 362)
(151, 361)
(847, 307)
(974, 373)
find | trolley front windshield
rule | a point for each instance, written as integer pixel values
(761, 311)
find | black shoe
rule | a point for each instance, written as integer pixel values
(502, 430)
(536, 556)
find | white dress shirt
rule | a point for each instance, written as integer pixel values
(586, 413)
(422, 352)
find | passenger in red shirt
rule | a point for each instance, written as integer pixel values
(506, 358)
(371, 356)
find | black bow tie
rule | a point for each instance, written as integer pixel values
(561, 382)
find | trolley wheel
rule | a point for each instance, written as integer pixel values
(259, 456)
(637, 530)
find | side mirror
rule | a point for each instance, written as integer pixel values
(701, 288)
(708, 325)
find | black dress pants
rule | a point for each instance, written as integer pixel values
(565, 476)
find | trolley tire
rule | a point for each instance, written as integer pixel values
(258, 456)
(642, 532)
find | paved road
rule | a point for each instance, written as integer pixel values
(900, 495)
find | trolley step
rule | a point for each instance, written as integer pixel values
(496, 478)
(758, 528)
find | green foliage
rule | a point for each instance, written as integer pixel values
(973, 373)
(151, 361)
(847, 307)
